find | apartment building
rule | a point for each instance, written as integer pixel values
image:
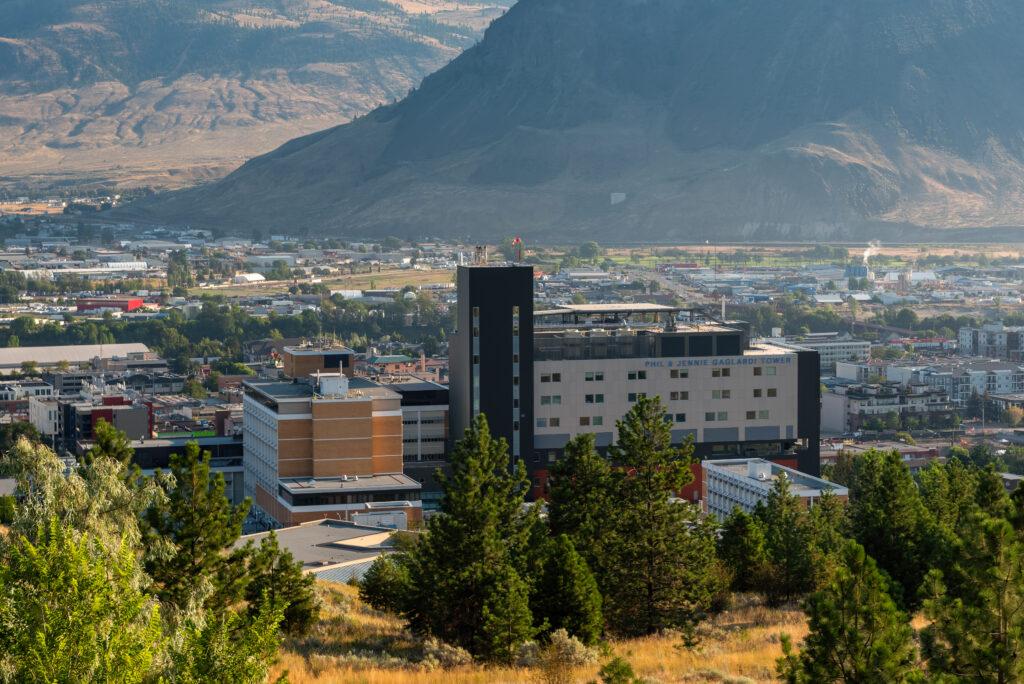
(16, 394)
(326, 446)
(992, 340)
(848, 407)
(745, 482)
(831, 347)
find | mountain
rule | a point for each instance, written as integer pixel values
(167, 92)
(658, 120)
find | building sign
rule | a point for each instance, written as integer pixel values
(720, 361)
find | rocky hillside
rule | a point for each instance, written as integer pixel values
(170, 91)
(670, 120)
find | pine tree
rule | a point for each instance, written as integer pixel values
(890, 522)
(978, 617)
(659, 574)
(856, 632)
(580, 503)
(202, 526)
(458, 567)
(276, 575)
(787, 543)
(991, 495)
(110, 443)
(829, 528)
(741, 550)
(386, 584)
(566, 596)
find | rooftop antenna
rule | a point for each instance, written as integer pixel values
(518, 244)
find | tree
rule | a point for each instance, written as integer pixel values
(29, 368)
(658, 573)
(856, 632)
(977, 613)
(465, 587)
(275, 575)
(566, 596)
(1012, 416)
(10, 433)
(386, 584)
(72, 611)
(579, 504)
(741, 549)
(226, 646)
(63, 366)
(590, 250)
(201, 525)
(787, 544)
(892, 420)
(890, 522)
(110, 443)
(195, 389)
(842, 471)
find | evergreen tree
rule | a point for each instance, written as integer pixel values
(200, 523)
(991, 495)
(72, 611)
(787, 536)
(977, 618)
(829, 528)
(856, 632)
(464, 586)
(741, 550)
(276, 575)
(890, 522)
(659, 574)
(948, 490)
(566, 596)
(110, 443)
(580, 504)
(386, 584)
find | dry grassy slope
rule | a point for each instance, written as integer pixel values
(80, 96)
(354, 643)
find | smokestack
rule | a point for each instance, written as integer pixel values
(871, 250)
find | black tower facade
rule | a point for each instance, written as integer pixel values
(491, 354)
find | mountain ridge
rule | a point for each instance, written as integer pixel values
(662, 119)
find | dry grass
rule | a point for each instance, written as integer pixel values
(356, 644)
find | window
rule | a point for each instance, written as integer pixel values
(597, 420)
(551, 400)
(515, 381)
(723, 415)
(551, 377)
(721, 372)
(556, 377)
(631, 375)
(721, 394)
(772, 392)
(542, 422)
(476, 332)
(515, 331)
(709, 416)
(770, 370)
(636, 375)
(757, 370)
(554, 422)
(476, 312)
(631, 397)
(596, 376)
(757, 394)
(763, 415)
(594, 398)
(751, 415)
(584, 420)
(515, 424)
(679, 374)
(673, 396)
(545, 400)
(680, 417)
(545, 377)
(515, 358)
(476, 359)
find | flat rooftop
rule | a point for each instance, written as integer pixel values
(624, 307)
(298, 485)
(800, 484)
(327, 542)
(282, 390)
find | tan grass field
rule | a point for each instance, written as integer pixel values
(740, 645)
